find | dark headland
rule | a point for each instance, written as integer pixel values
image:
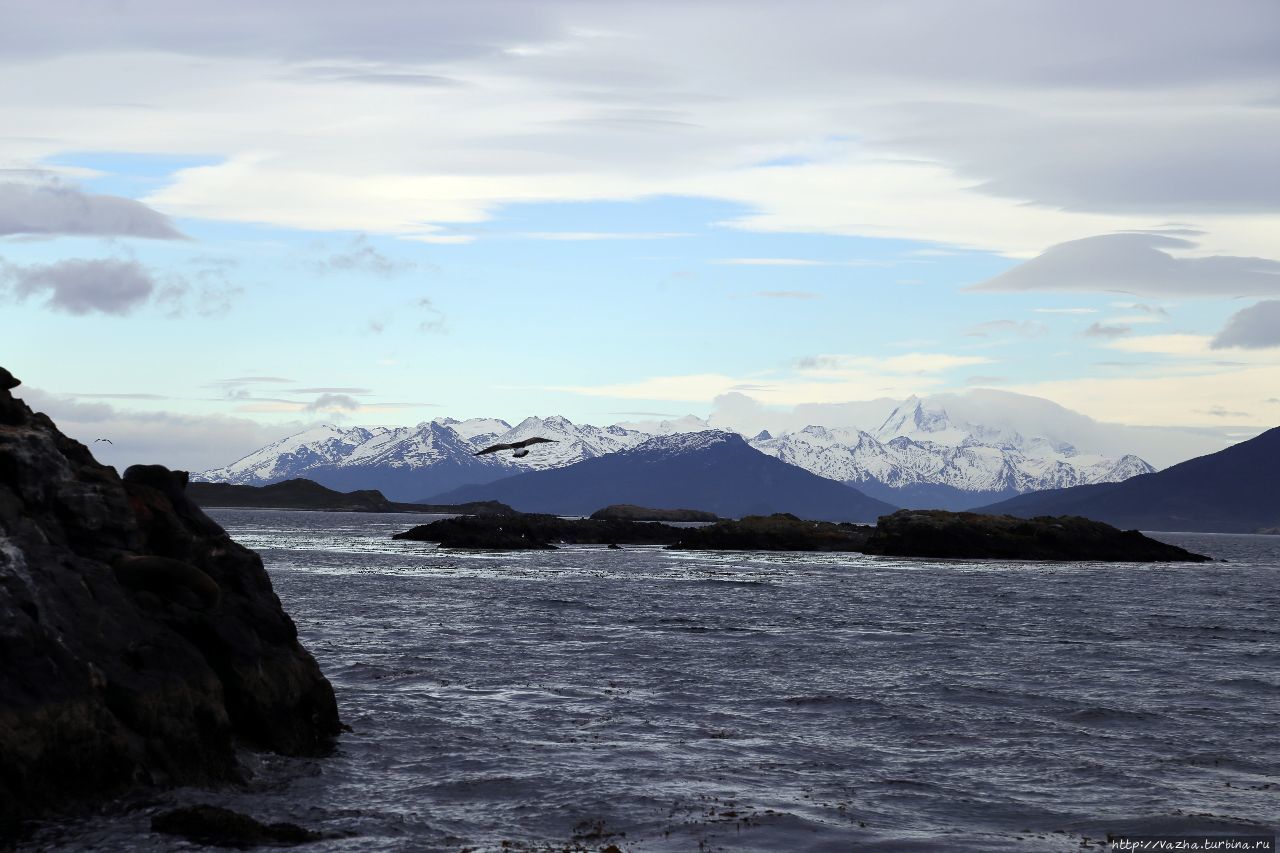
(1231, 491)
(906, 533)
(139, 644)
(302, 493)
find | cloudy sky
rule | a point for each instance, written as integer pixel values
(222, 221)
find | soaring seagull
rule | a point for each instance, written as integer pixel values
(521, 448)
(107, 440)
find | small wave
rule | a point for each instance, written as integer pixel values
(1101, 715)
(564, 603)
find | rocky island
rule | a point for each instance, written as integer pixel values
(537, 531)
(631, 512)
(969, 535)
(907, 533)
(141, 644)
(777, 532)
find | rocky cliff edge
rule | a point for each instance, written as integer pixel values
(139, 644)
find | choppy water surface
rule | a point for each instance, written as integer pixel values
(775, 702)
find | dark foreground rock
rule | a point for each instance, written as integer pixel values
(778, 532)
(139, 644)
(302, 493)
(934, 533)
(534, 531)
(218, 827)
(631, 512)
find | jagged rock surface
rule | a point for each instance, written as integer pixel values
(139, 644)
(969, 535)
(631, 512)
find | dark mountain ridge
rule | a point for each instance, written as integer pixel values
(712, 471)
(1236, 490)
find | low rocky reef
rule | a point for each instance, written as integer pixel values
(301, 493)
(631, 512)
(907, 533)
(535, 531)
(139, 644)
(778, 532)
(961, 535)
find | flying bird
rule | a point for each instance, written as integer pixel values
(521, 448)
(107, 440)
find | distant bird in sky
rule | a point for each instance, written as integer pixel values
(107, 440)
(521, 448)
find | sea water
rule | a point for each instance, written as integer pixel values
(681, 701)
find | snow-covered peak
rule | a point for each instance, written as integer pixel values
(685, 442)
(472, 428)
(916, 421)
(318, 445)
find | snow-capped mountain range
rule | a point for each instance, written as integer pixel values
(919, 456)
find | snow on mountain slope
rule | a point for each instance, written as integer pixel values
(918, 445)
(475, 430)
(436, 442)
(573, 443)
(914, 421)
(288, 457)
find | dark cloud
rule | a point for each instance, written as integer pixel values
(107, 286)
(434, 319)
(1220, 412)
(115, 286)
(1098, 330)
(360, 256)
(1154, 310)
(52, 208)
(1094, 160)
(1135, 263)
(333, 402)
(818, 362)
(1255, 327)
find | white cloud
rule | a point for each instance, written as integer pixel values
(1188, 399)
(820, 379)
(1255, 327)
(189, 442)
(355, 126)
(1138, 263)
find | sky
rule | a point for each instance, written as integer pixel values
(220, 223)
